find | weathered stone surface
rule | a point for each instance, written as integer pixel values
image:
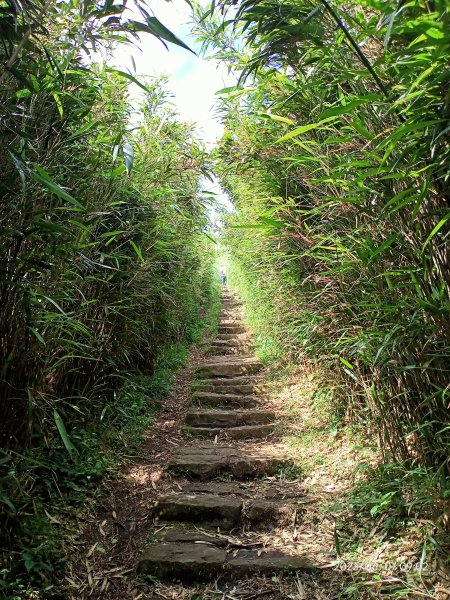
(231, 328)
(231, 303)
(228, 418)
(265, 511)
(224, 350)
(191, 562)
(229, 368)
(230, 343)
(242, 358)
(228, 319)
(250, 562)
(239, 337)
(217, 511)
(203, 561)
(225, 400)
(205, 461)
(224, 507)
(180, 533)
(232, 385)
(243, 432)
(227, 347)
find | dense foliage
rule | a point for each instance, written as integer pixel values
(104, 260)
(336, 156)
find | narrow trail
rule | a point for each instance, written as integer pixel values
(221, 485)
(215, 504)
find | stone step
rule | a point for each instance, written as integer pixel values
(204, 562)
(228, 418)
(213, 399)
(215, 511)
(238, 337)
(245, 385)
(232, 323)
(223, 510)
(180, 532)
(225, 350)
(252, 491)
(230, 328)
(231, 314)
(242, 432)
(223, 367)
(220, 359)
(231, 342)
(205, 461)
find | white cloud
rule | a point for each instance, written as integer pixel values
(192, 80)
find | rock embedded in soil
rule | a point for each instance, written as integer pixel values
(228, 418)
(243, 432)
(237, 337)
(208, 461)
(232, 385)
(180, 533)
(231, 328)
(213, 399)
(202, 562)
(224, 510)
(188, 562)
(229, 368)
(217, 511)
(251, 562)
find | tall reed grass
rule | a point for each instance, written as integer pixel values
(336, 156)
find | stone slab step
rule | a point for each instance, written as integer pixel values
(243, 432)
(215, 511)
(239, 337)
(232, 385)
(252, 490)
(180, 532)
(216, 400)
(230, 319)
(225, 350)
(205, 461)
(230, 343)
(230, 315)
(231, 328)
(228, 418)
(203, 562)
(229, 368)
(219, 347)
(226, 511)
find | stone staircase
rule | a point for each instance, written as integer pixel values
(224, 492)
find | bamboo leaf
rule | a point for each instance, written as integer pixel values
(138, 252)
(278, 118)
(40, 175)
(64, 435)
(434, 231)
(303, 129)
(128, 156)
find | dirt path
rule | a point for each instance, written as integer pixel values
(214, 506)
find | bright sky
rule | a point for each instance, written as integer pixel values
(193, 81)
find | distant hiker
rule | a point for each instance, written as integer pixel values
(223, 276)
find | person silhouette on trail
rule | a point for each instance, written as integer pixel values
(223, 276)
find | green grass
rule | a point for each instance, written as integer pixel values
(61, 487)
